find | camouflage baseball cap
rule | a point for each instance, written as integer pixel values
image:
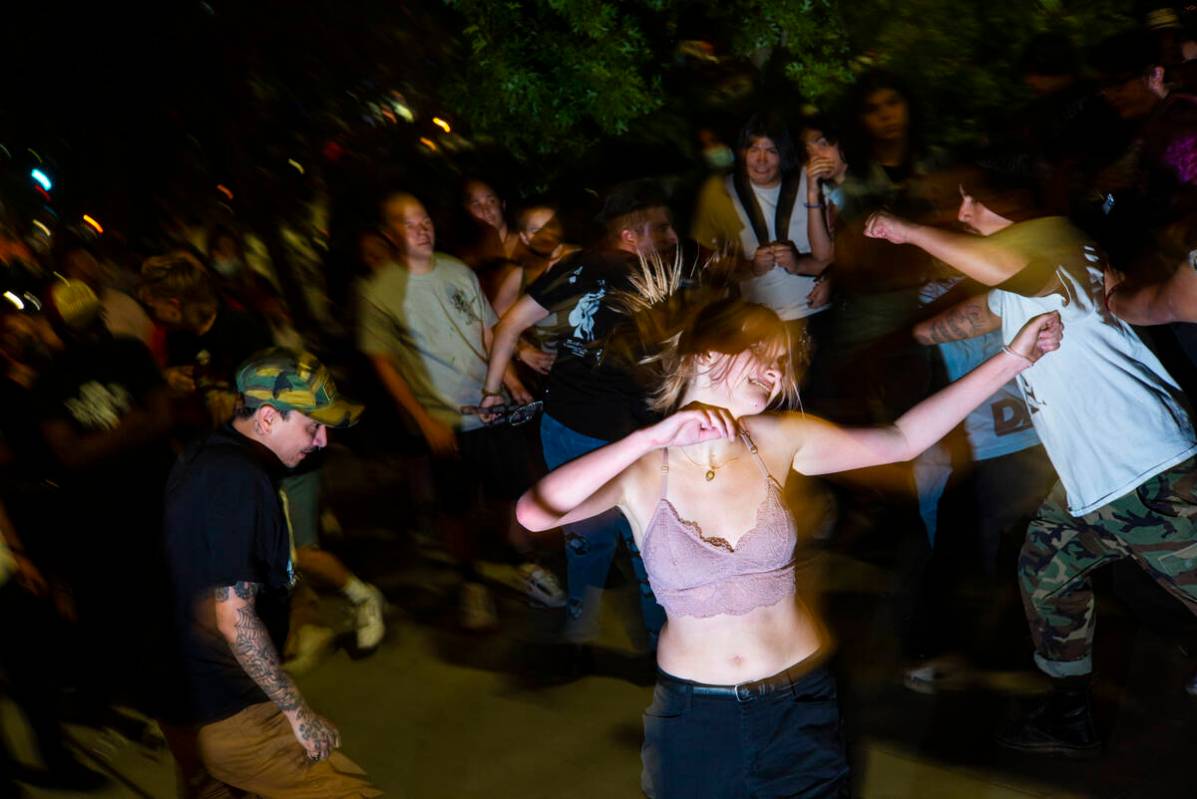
(295, 381)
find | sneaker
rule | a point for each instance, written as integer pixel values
(476, 611)
(1062, 724)
(947, 673)
(541, 586)
(368, 621)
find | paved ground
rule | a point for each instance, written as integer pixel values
(439, 713)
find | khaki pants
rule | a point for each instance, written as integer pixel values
(255, 753)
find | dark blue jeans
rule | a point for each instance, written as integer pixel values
(785, 744)
(590, 545)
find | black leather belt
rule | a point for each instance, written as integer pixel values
(746, 691)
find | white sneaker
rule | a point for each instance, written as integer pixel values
(477, 609)
(542, 586)
(368, 620)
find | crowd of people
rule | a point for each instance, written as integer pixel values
(992, 351)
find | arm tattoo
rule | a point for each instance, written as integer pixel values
(964, 321)
(243, 590)
(255, 652)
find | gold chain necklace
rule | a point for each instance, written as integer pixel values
(712, 470)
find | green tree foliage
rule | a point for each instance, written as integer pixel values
(551, 77)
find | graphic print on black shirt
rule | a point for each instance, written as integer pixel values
(584, 391)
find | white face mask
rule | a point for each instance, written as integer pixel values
(226, 267)
(719, 157)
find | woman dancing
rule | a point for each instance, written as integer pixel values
(743, 706)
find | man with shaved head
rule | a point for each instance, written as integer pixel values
(427, 328)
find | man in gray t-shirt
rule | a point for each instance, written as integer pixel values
(427, 327)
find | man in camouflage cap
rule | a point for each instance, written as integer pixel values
(238, 713)
(290, 381)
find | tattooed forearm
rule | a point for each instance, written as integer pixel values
(255, 652)
(964, 321)
(251, 645)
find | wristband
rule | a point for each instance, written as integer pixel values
(1006, 348)
(815, 205)
(486, 393)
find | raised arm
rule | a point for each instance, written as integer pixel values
(825, 448)
(519, 317)
(590, 484)
(1173, 300)
(966, 319)
(250, 643)
(971, 255)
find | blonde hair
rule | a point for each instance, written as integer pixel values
(676, 323)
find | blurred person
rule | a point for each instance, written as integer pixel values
(1126, 490)
(540, 249)
(1065, 129)
(375, 251)
(30, 625)
(105, 416)
(244, 288)
(427, 329)
(484, 205)
(1133, 200)
(1000, 473)
(744, 703)
(875, 370)
(826, 164)
(207, 339)
(1170, 300)
(239, 721)
(589, 399)
(122, 314)
(772, 211)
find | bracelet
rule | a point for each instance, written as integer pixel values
(486, 393)
(1007, 349)
(815, 205)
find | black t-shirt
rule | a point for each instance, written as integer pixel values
(224, 525)
(216, 355)
(93, 386)
(586, 391)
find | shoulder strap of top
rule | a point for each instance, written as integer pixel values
(664, 471)
(756, 456)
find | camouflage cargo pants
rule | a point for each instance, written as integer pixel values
(1156, 524)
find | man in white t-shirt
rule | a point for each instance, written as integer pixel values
(768, 210)
(1114, 424)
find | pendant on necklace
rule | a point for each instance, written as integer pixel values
(710, 475)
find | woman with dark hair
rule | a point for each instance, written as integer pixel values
(770, 212)
(744, 705)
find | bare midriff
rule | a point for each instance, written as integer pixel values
(727, 650)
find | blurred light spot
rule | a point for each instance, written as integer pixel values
(32, 300)
(15, 300)
(42, 178)
(37, 223)
(223, 189)
(442, 124)
(298, 166)
(429, 143)
(89, 220)
(33, 152)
